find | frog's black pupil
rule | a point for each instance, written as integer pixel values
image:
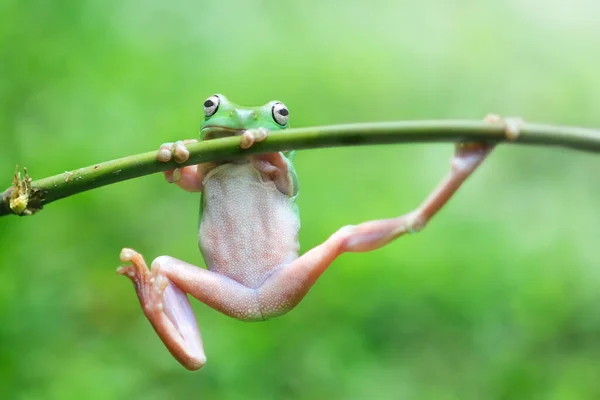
(208, 103)
(284, 112)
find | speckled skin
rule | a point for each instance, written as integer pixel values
(255, 246)
(248, 232)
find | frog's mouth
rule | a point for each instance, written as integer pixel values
(214, 132)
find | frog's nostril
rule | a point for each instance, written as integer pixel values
(254, 115)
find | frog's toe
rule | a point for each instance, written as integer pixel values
(177, 151)
(512, 125)
(180, 152)
(127, 254)
(130, 255)
(149, 285)
(250, 136)
(137, 270)
(165, 152)
(260, 134)
(173, 175)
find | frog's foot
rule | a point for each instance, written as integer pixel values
(149, 286)
(180, 153)
(167, 308)
(512, 125)
(175, 150)
(250, 136)
(468, 156)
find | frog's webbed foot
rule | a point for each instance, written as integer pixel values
(149, 286)
(250, 136)
(167, 308)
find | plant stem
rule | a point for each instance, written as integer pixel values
(46, 190)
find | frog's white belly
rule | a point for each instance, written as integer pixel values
(248, 227)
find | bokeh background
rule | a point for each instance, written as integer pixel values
(499, 298)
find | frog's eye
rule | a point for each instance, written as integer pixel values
(280, 113)
(211, 105)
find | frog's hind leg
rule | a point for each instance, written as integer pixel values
(215, 290)
(162, 293)
(167, 308)
(374, 234)
(286, 287)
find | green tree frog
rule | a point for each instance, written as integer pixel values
(248, 232)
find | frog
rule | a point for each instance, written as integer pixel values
(248, 230)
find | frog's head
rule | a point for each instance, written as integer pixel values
(224, 118)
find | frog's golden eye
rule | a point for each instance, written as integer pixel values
(280, 113)
(211, 105)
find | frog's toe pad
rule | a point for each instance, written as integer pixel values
(177, 151)
(165, 152)
(180, 152)
(136, 269)
(512, 125)
(149, 285)
(131, 256)
(250, 136)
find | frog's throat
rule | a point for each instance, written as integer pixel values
(213, 132)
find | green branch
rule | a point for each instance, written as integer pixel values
(26, 196)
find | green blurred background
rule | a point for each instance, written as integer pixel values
(499, 298)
